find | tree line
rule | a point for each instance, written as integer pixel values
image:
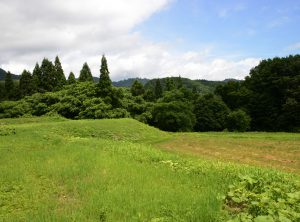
(267, 100)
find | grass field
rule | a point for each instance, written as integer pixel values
(52, 169)
(276, 150)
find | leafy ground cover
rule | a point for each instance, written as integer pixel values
(53, 169)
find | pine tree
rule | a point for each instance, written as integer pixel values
(105, 84)
(9, 86)
(2, 92)
(85, 74)
(37, 78)
(170, 85)
(59, 74)
(71, 78)
(137, 88)
(158, 89)
(48, 82)
(179, 82)
(26, 83)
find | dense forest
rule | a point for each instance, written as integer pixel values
(267, 100)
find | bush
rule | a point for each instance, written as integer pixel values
(211, 113)
(238, 121)
(173, 116)
(13, 109)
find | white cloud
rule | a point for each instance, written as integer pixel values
(278, 22)
(159, 62)
(293, 47)
(80, 31)
(228, 11)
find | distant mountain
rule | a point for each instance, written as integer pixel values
(3, 74)
(129, 82)
(200, 86)
(96, 79)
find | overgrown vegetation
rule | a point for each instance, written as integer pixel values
(273, 199)
(268, 99)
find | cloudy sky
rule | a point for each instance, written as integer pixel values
(197, 39)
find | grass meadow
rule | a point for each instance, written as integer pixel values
(53, 169)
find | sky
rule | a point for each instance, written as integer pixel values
(197, 39)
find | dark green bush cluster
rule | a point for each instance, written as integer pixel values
(176, 110)
(258, 200)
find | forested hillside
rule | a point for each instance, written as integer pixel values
(3, 74)
(267, 100)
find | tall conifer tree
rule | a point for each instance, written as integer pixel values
(105, 84)
(59, 74)
(170, 85)
(85, 74)
(2, 92)
(37, 78)
(9, 85)
(26, 83)
(71, 78)
(158, 89)
(137, 88)
(48, 82)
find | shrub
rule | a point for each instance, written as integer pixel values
(238, 121)
(211, 113)
(13, 109)
(173, 116)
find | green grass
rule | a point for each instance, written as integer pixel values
(52, 169)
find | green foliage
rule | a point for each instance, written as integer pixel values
(173, 116)
(9, 86)
(85, 74)
(26, 84)
(71, 79)
(2, 91)
(158, 91)
(13, 109)
(238, 121)
(48, 78)
(137, 88)
(260, 199)
(234, 94)
(37, 78)
(211, 113)
(105, 84)
(5, 131)
(274, 86)
(128, 82)
(270, 95)
(170, 84)
(149, 95)
(59, 74)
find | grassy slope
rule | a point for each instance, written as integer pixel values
(105, 170)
